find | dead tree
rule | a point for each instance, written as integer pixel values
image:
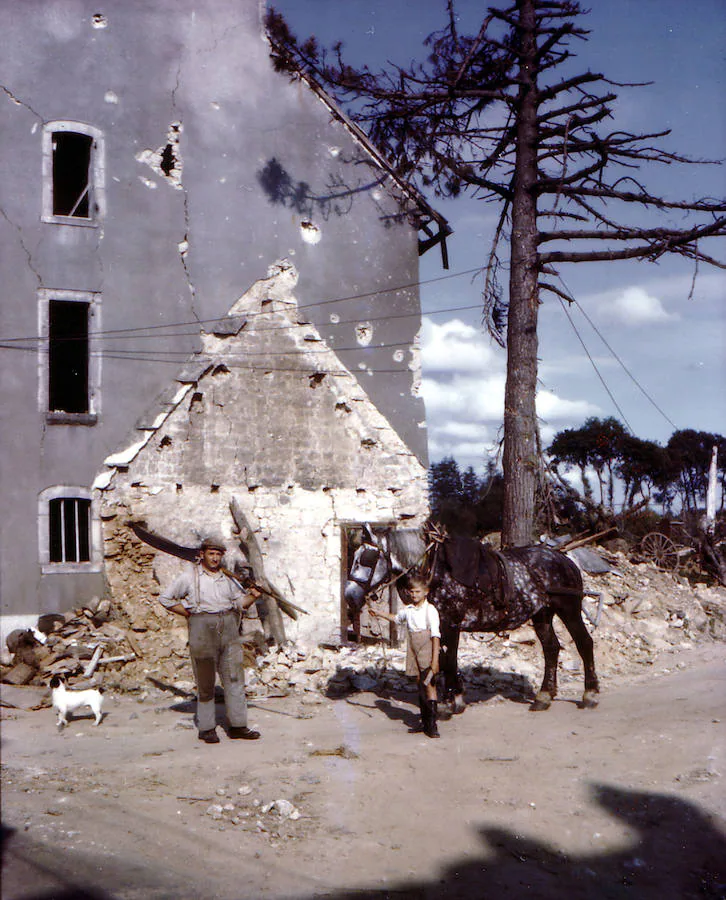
(490, 113)
(271, 597)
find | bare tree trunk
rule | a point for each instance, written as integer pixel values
(248, 543)
(520, 416)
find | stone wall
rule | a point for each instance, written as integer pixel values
(273, 421)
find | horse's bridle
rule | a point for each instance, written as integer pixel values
(375, 594)
(365, 567)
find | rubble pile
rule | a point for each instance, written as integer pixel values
(634, 610)
(77, 644)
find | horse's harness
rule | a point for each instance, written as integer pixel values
(369, 557)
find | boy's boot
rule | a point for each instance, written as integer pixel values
(424, 714)
(430, 727)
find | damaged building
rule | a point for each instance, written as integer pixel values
(155, 170)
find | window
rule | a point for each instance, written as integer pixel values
(69, 531)
(69, 537)
(69, 362)
(72, 173)
(68, 356)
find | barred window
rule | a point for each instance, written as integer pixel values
(69, 538)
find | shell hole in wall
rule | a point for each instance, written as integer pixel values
(364, 333)
(167, 164)
(310, 233)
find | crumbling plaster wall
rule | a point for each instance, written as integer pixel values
(278, 424)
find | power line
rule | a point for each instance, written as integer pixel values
(625, 368)
(8, 343)
(145, 330)
(614, 354)
(593, 364)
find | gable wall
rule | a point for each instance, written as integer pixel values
(293, 440)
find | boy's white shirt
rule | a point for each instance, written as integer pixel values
(420, 618)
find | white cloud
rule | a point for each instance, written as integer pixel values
(463, 389)
(474, 399)
(635, 306)
(454, 346)
(550, 406)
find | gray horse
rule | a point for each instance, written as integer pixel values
(478, 589)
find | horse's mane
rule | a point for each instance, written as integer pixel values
(407, 545)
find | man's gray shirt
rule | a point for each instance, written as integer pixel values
(201, 591)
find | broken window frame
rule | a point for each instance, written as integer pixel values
(93, 302)
(96, 174)
(82, 530)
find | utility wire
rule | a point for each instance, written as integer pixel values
(625, 368)
(614, 354)
(7, 344)
(594, 365)
(179, 356)
(197, 322)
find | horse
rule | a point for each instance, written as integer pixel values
(477, 589)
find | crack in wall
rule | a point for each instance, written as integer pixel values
(27, 252)
(185, 244)
(22, 103)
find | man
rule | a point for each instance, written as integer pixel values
(212, 603)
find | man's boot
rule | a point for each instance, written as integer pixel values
(430, 727)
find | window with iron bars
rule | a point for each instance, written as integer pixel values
(69, 538)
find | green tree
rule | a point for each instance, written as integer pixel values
(570, 448)
(444, 485)
(689, 453)
(470, 486)
(604, 441)
(641, 467)
(503, 114)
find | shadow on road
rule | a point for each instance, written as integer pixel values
(679, 853)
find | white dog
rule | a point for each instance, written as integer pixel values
(65, 701)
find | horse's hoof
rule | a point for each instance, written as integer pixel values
(541, 702)
(445, 712)
(459, 706)
(589, 700)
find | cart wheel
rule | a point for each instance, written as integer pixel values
(661, 549)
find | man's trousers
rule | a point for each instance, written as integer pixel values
(215, 646)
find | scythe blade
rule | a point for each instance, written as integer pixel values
(191, 554)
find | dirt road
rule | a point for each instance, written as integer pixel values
(624, 801)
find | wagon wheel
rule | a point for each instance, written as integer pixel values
(661, 549)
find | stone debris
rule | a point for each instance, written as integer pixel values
(283, 808)
(243, 810)
(138, 646)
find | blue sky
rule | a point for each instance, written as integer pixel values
(665, 366)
